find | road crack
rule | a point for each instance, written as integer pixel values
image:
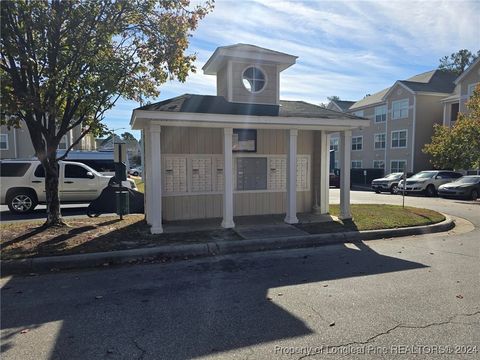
(398, 326)
(142, 350)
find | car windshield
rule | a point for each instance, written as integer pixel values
(424, 175)
(393, 175)
(468, 180)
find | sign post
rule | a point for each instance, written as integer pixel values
(404, 177)
(121, 193)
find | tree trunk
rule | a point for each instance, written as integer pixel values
(54, 217)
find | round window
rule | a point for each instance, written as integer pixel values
(253, 79)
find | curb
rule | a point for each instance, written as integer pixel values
(65, 262)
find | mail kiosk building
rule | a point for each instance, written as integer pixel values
(243, 151)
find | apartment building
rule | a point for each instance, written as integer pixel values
(401, 123)
(16, 143)
(464, 86)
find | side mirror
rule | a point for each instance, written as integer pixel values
(90, 175)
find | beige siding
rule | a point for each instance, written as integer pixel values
(429, 112)
(267, 96)
(176, 140)
(222, 82)
(472, 77)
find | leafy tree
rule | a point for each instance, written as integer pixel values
(128, 137)
(333, 98)
(64, 63)
(459, 61)
(458, 147)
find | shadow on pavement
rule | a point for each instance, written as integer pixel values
(40, 213)
(183, 310)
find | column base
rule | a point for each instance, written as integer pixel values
(345, 217)
(317, 210)
(291, 220)
(228, 224)
(156, 229)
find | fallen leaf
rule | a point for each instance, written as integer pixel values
(99, 297)
(24, 331)
(332, 323)
(269, 298)
(280, 294)
(459, 296)
(326, 285)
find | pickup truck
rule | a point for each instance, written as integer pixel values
(23, 184)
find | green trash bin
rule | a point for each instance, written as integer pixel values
(123, 202)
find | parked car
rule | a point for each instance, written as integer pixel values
(334, 178)
(388, 183)
(427, 182)
(23, 184)
(467, 187)
(136, 171)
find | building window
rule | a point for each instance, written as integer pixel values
(335, 164)
(63, 144)
(399, 139)
(357, 143)
(3, 141)
(398, 166)
(381, 113)
(400, 109)
(471, 88)
(358, 113)
(379, 141)
(334, 144)
(378, 164)
(254, 79)
(356, 164)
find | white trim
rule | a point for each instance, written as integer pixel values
(356, 137)
(398, 82)
(142, 118)
(324, 173)
(398, 102)
(227, 221)
(356, 161)
(345, 157)
(265, 83)
(373, 164)
(414, 130)
(466, 71)
(401, 160)
(406, 139)
(6, 141)
(291, 213)
(385, 140)
(375, 114)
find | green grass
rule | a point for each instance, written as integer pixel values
(140, 184)
(373, 216)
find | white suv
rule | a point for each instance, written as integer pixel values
(23, 184)
(427, 182)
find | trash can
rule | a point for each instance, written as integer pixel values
(123, 202)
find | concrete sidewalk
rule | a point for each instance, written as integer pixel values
(257, 238)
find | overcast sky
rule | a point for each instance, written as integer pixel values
(344, 48)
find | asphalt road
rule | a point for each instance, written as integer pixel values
(403, 298)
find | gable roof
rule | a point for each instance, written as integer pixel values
(370, 100)
(210, 104)
(343, 105)
(247, 52)
(432, 81)
(467, 70)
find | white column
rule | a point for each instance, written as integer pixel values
(155, 182)
(228, 179)
(324, 172)
(345, 149)
(147, 176)
(291, 216)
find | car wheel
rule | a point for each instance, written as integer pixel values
(22, 202)
(135, 173)
(430, 191)
(394, 189)
(474, 195)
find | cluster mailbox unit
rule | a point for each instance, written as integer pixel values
(243, 151)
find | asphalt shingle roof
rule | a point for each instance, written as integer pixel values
(210, 104)
(344, 104)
